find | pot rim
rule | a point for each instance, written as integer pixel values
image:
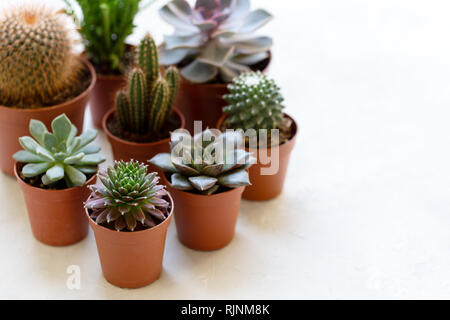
(202, 196)
(294, 136)
(221, 85)
(138, 144)
(19, 179)
(167, 220)
(66, 103)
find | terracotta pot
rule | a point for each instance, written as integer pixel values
(56, 216)
(104, 96)
(131, 259)
(126, 150)
(205, 222)
(203, 102)
(14, 122)
(266, 187)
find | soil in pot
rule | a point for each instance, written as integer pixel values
(141, 149)
(56, 215)
(14, 122)
(205, 222)
(203, 102)
(264, 186)
(131, 259)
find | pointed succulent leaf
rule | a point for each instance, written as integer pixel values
(87, 169)
(28, 144)
(180, 182)
(164, 162)
(50, 141)
(87, 137)
(202, 183)
(74, 159)
(234, 179)
(255, 20)
(89, 149)
(198, 72)
(92, 159)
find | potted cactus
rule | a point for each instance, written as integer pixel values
(41, 74)
(53, 170)
(213, 42)
(255, 103)
(129, 213)
(105, 26)
(140, 125)
(207, 173)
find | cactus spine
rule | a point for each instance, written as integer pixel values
(38, 65)
(148, 103)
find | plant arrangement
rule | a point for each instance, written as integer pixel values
(255, 103)
(213, 40)
(53, 170)
(59, 159)
(129, 199)
(201, 164)
(129, 196)
(208, 173)
(39, 68)
(144, 116)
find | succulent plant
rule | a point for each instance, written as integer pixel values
(59, 155)
(105, 25)
(206, 162)
(38, 64)
(148, 103)
(128, 194)
(214, 38)
(254, 102)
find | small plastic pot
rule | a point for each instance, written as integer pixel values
(131, 259)
(126, 150)
(104, 96)
(14, 122)
(205, 222)
(203, 101)
(56, 216)
(266, 187)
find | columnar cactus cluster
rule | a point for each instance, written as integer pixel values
(147, 103)
(206, 162)
(254, 102)
(38, 65)
(128, 197)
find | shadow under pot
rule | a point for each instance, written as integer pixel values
(267, 176)
(204, 222)
(131, 259)
(14, 122)
(56, 216)
(204, 102)
(142, 152)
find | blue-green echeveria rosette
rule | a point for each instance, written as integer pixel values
(214, 38)
(60, 155)
(127, 197)
(208, 163)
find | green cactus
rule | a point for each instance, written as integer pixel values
(38, 64)
(148, 103)
(255, 102)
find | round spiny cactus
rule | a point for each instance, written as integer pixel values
(38, 65)
(128, 194)
(255, 102)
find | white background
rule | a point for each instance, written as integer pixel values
(365, 212)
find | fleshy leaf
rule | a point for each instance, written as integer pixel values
(37, 130)
(34, 169)
(164, 162)
(203, 183)
(92, 159)
(255, 20)
(61, 127)
(28, 144)
(180, 182)
(75, 176)
(27, 157)
(55, 173)
(234, 179)
(198, 72)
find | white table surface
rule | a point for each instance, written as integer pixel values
(365, 211)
